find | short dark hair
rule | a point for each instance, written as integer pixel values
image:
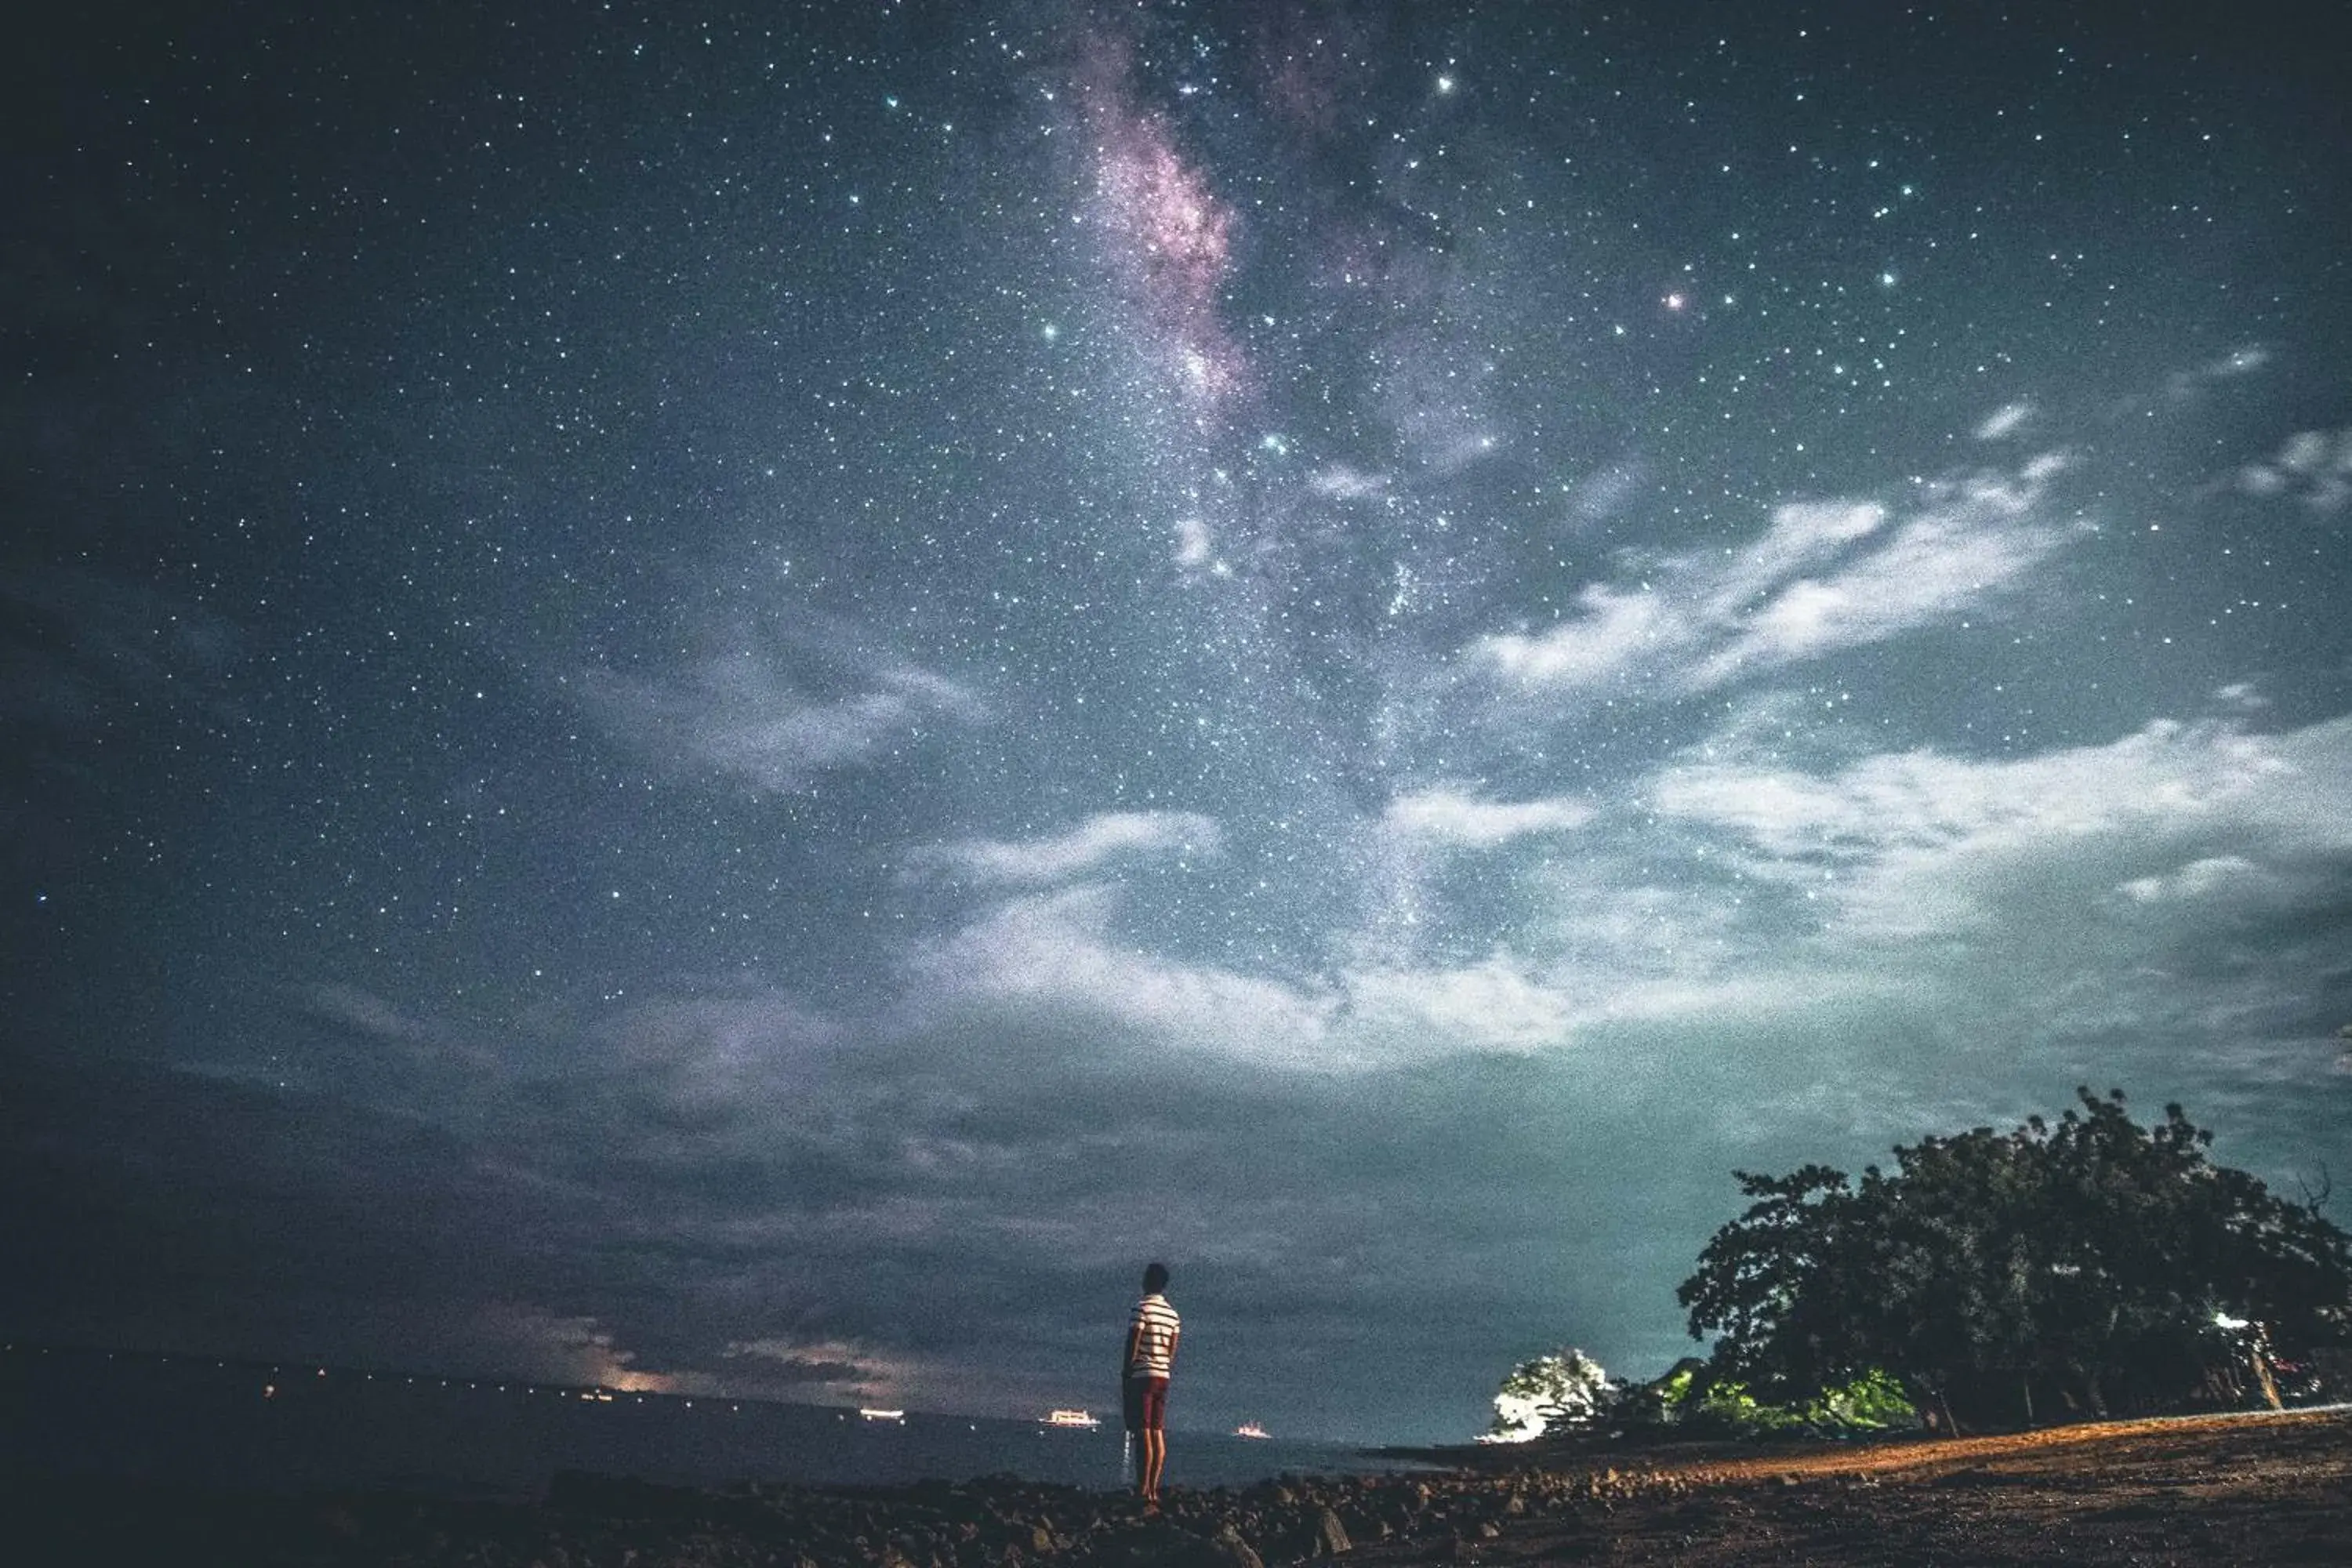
(1155, 1278)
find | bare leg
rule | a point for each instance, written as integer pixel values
(1142, 1464)
(1155, 1459)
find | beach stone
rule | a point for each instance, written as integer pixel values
(1330, 1535)
(1230, 1549)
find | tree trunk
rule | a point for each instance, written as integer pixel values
(2269, 1384)
(2025, 1386)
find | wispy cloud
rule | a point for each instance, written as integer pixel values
(2243, 360)
(1618, 627)
(803, 1366)
(2312, 467)
(1451, 817)
(1340, 482)
(776, 717)
(1823, 576)
(1055, 953)
(1054, 957)
(1495, 1005)
(1099, 840)
(571, 1348)
(2004, 421)
(1969, 546)
(2194, 880)
(1921, 843)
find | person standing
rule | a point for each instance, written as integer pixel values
(1144, 1371)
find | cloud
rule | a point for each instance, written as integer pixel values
(2004, 421)
(1934, 568)
(1193, 545)
(1341, 482)
(1823, 576)
(2312, 467)
(2238, 362)
(695, 1062)
(2196, 879)
(776, 722)
(1604, 493)
(1919, 843)
(1099, 840)
(1053, 954)
(1449, 817)
(1493, 1006)
(364, 1013)
(1051, 959)
(801, 1368)
(560, 1348)
(1617, 628)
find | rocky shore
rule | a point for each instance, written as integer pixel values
(2267, 1489)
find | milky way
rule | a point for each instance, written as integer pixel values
(746, 700)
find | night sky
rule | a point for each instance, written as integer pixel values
(745, 697)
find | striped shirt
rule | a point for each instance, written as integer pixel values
(1152, 1332)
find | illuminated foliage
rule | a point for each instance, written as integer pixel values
(1551, 1394)
(2063, 1268)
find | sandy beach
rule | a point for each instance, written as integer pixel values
(2227, 1490)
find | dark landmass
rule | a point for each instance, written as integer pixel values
(2229, 1490)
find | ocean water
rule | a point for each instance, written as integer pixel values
(202, 1422)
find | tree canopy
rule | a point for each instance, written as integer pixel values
(2090, 1264)
(1562, 1392)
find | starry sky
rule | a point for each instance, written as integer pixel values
(745, 696)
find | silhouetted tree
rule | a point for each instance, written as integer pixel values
(2082, 1265)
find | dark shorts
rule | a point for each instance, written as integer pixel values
(1144, 1401)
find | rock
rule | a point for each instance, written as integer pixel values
(1330, 1535)
(1229, 1548)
